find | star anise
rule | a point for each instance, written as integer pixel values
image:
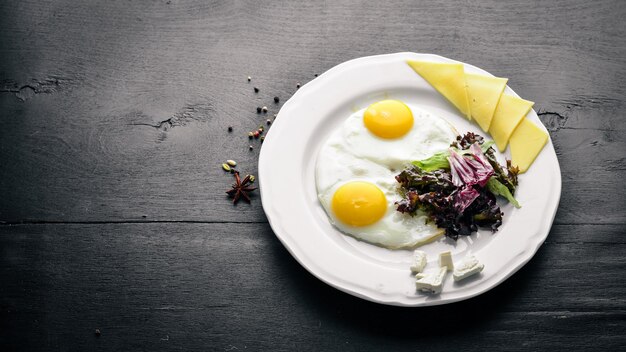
(240, 188)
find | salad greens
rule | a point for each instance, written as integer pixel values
(457, 188)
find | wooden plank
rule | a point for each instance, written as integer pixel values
(592, 164)
(226, 286)
(118, 112)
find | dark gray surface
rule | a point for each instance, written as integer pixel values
(112, 212)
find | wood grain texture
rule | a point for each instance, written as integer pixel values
(211, 286)
(88, 141)
(112, 213)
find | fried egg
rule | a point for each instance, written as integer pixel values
(392, 134)
(356, 167)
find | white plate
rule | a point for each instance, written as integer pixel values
(287, 185)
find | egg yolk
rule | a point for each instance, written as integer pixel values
(359, 203)
(388, 119)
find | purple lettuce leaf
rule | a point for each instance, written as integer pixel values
(464, 198)
(470, 170)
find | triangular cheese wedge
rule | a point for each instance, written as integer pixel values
(509, 113)
(484, 93)
(526, 142)
(448, 79)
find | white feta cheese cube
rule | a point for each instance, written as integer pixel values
(467, 267)
(419, 261)
(431, 282)
(445, 260)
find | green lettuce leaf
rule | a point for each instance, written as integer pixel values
(435, 162)
(486, 145)
(496, 187)
(440, 160)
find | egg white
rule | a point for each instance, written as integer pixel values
(353, 153)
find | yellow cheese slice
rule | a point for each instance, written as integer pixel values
(484, 93)
(526, 142)
(448, 79)
(509, 113)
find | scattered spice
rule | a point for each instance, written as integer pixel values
(250, 135)
(298, 85)
(262, 139)
(258, 109)
(315, 75)
(240, 189)
(231, 162)
(264, 109)
(269, 122)
(249, 78)
(250, 147)
(230, 128)
(256, 134)
(226, 167)
(252, 178)
(97, 332)
(276, 100)
(256, 90)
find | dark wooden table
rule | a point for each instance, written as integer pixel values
(112, 208)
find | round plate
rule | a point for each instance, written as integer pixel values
(289, 197)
